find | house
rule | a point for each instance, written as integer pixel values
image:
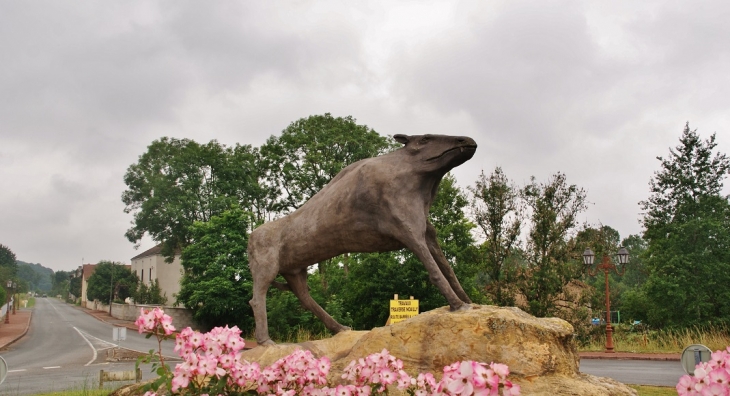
(86, 271)
(150, 265)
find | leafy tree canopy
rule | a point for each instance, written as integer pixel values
(217, 282)
(687, 229)
(179, 181)
(313, 150)
(111, 275)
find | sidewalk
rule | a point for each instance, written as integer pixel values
(16, 329)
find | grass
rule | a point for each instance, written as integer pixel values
(31, 302)
(663, 341)
(646, 390)
(83, 392)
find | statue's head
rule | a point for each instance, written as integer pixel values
(437, 152)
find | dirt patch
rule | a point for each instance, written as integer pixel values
(122, 355)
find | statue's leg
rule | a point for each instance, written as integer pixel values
(446, 270)
(262, 277)
(298, 284)
(414, 238)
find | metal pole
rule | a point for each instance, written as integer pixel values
(609, 329)
(111, 291)
(7, 304)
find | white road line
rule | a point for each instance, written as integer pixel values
(51, 367)
(90, 345)
(16, 371)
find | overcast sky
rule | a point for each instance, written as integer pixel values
(593, 89)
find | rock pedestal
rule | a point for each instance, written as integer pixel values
(540, 352)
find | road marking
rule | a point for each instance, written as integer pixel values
(16, 371)
(51, 367)
(90, 345)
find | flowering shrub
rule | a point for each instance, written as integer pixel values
(212, 365)
(711, 378)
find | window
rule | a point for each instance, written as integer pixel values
(141, 273)
(150, 274)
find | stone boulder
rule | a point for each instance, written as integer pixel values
(540, 352)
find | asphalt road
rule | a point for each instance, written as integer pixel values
(66, 348)
(639, 372)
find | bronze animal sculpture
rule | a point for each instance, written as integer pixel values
(377, 204)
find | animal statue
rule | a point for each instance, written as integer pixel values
(377, 204)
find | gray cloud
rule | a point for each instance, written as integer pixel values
(596, 90)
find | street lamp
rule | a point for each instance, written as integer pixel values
(7, 302)
(606, 267)
(15, 298)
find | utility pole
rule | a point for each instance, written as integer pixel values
(111, 291)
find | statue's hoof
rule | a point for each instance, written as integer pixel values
(463, 307)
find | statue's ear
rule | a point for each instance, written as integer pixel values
(401, 138)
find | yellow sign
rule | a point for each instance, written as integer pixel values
(401, 310)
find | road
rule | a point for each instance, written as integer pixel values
(639, 372)
(64, 349)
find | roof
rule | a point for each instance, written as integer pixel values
(88, 270)
(149, 252)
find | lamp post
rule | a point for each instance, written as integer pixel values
(7, 302)
(15, 298)
(606, 267)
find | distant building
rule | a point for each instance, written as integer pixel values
(86, 271)
(150, 265)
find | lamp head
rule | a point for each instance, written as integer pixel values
(623, 256)
(588, 257)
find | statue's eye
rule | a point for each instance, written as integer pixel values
(424, 140)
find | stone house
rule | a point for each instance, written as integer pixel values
(150, 265)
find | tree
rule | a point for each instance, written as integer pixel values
(687, 229)
(110, 276)
(151, 294)
(497, 213)
(313, 150)
(74, 286)
(8, 264)
(217, 282)
(178, 182)
(551, 262)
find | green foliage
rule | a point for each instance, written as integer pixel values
(550, 258)
(178, 182)
(37, 277)
(151, 294)
(3, 295)
(8, 264)
(109, 274)
(496, 208)
(74, 286)
(687, 229)
(313, 150)
(217, 281)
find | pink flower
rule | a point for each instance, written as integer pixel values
(720, 376)
(510, 389)
(460, 382)
(500, 369)
(715, 389)
(180, 380)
